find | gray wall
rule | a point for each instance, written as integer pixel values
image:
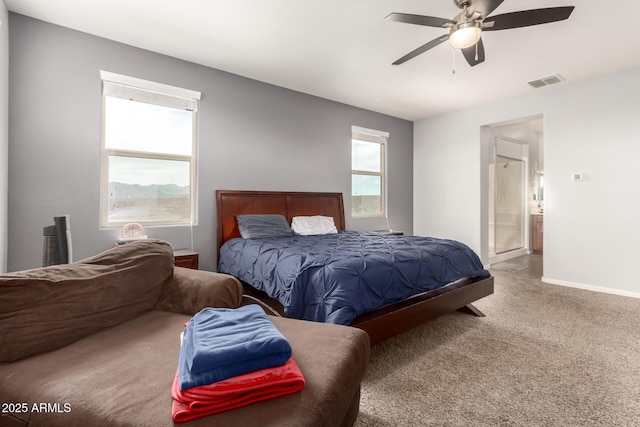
(4, 132)
(251, 135)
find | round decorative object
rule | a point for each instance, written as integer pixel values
(132, 230)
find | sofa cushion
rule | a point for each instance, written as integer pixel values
(122, 376)
(47, 308)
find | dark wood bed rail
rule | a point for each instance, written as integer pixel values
(403, 316)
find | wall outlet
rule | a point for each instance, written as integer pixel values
(576, 176)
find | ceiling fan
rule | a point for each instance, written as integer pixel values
(465, 29)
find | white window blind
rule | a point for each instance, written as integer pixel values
(369, 135)
(120, 86)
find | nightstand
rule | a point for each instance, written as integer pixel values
(185, 258)
(390, 232)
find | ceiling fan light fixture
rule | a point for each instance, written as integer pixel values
(465, 34)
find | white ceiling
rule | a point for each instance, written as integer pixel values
(343, 49)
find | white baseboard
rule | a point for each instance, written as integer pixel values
(591, 288)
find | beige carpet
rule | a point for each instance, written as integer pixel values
(545, 355)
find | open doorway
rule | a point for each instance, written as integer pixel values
(513, 164)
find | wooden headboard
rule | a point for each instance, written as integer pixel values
(231, 203)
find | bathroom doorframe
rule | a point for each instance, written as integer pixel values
(486, 153)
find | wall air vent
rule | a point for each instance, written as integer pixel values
(546, 81)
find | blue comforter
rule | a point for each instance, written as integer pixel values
(334, 278)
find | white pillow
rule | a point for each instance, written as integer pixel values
(309, 225)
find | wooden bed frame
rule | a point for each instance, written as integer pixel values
(380, 324)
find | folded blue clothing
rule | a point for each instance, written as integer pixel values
(221, 343)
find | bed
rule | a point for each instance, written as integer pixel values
(458, 281)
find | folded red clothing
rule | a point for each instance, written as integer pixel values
(235, 392)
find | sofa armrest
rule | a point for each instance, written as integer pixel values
(188, 291)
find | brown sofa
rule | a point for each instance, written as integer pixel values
(96, 343)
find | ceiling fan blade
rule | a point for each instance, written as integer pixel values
(470, 53)
(429, 21)
(425, 47)
(485, 7)
(526, 18)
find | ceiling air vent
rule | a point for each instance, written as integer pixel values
(546, 81)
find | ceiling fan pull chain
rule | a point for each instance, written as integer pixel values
(453, 62)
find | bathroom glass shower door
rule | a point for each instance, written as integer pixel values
(509, 204)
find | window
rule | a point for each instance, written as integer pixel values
(368, 185)
(148, 152)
